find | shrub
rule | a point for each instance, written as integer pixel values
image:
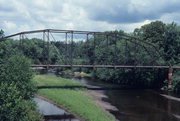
(13, 106)
(17, 69)
(17, 90)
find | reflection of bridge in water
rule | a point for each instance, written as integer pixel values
(91, 40)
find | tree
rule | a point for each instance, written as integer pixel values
(154, 32)
(171, 43)
(13, 107)
(17, 90)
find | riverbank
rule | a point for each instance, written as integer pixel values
(76, 100)
(75, 73)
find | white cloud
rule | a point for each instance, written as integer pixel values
(9, 25)
(93, 15)
(130, 27)
(170, 17)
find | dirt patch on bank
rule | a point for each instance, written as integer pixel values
(98, 96)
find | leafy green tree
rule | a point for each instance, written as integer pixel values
(17, 69)
(171, 43)
(13, 107)
(153, 32)
(16, 87)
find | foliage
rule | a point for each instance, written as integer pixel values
(13, 107)
(16, 89)
(7, 49)
(17, 69)
(171, 44)
(167, 40)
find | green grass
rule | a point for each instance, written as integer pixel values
(45, 80)
(75, 100)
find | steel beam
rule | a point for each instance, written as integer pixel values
(109, 66)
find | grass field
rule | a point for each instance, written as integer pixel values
(75, 100)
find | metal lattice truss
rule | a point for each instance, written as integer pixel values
(109, 37)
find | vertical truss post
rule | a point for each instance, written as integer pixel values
(71, 48)
(107, 40)
(87, 40)
(107, 47)
(94, 48)
(115, 49)
(44, 54)
(22, 36)
(48, 48)
(125, 53)
(20, 40)
(20, 43)
(94, 52)
(86, 46)
(66, 62)
(135, 54)
(170, 74)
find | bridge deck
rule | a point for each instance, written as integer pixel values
(107, 66)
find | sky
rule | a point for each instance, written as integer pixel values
(91, 15)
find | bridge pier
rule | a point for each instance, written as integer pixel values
(170, 76)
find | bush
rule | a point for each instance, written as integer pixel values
(17, 90)
(137, 78)
(13, 106)
(17, 69)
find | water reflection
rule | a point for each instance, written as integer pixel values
(143, 105)
(138, 105)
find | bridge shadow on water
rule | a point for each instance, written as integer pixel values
(59, 117)
(89, 87)
(52, 112)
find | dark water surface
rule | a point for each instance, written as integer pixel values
(52, 112)
(143, 105)
(137, 105)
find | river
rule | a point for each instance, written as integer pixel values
(137, 105)
(53, 113)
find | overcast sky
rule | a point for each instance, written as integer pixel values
(93, 15)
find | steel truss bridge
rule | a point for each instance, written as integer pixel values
(110, 38)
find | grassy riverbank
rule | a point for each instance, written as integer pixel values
(75, 100)
(75, 73)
